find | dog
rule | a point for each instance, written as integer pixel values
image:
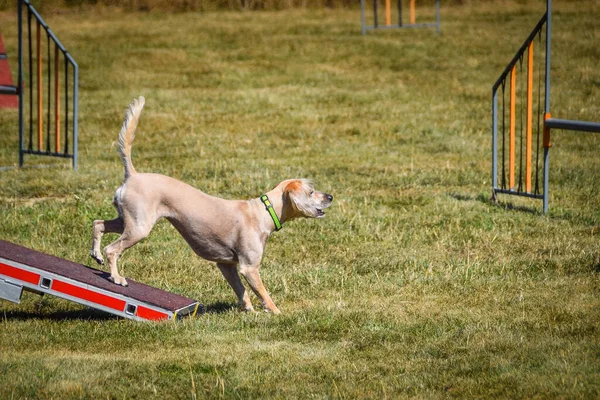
(231, 233)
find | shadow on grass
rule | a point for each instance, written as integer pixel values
(495, 202)
(90, 314)
(219, 308)
(73, 315)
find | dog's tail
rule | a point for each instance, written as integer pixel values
(132, 116)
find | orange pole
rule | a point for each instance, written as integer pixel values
(529, 117)
(39, 85)
(412, 12)
(512, 125)
(388, 13)
(56, 100)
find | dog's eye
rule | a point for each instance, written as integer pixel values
(311, 193)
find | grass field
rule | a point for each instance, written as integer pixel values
(414, 285)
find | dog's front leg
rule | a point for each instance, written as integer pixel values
(230, 273)
(250, 273)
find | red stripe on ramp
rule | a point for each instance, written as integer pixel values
(88, 295)
(20, 274)
(150, 314)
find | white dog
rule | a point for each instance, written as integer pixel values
(228, 232)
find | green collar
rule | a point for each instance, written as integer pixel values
(265, 199)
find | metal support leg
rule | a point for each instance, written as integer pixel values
(20, 81)
(546, 178)
(494, 141)
(362, 17)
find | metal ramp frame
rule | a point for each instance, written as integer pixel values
(24, 269)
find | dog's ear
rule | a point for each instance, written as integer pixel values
(298, 192)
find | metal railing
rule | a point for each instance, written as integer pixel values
(515, 132)
(523, 179)
(400, 23)
(48, 81)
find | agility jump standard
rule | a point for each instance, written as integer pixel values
(388, 17)
(524, 179)
(51, 128)
(25, 269)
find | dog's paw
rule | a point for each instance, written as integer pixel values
(246, 308)
(118, 280)
(97, 257)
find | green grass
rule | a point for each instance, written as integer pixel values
(414, 285)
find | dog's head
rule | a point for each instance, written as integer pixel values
(303, 200)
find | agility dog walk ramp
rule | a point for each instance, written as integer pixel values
(23, 268)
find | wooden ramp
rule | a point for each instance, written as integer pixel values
(23, 268)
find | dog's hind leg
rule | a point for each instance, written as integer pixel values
(230, 273)
(114, 250)
(101, 227)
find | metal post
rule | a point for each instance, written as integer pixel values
(375, 13)
(437, 15)
(546, 177)
(494, 140)
(548, 47)
(75, 113)
(362, 16)
(547, 106)
(512, 128)
(20, 82)
(400, 13)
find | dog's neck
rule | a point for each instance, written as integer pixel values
(269, 207)
(282, 207)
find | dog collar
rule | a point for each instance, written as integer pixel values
(265, 199)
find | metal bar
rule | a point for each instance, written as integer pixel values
(30, 146)
(437, 16)
(512, 128)
(75, 114)
(362, 17)
(400, 13)
(539, 129)
(546, 194)
(48, 153)
(424, 25)
(39, 84)
(375, 13)
(20, 82)
(548, 52)
(503, 134)
(515, 193)
(547, 146)
(529, 122)
(388, 13)
(4, 89)
(56, 100)
(495, 139)
(520, 52)
(49, 68)
(66, 106)
(581, 126)
(45, 26)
